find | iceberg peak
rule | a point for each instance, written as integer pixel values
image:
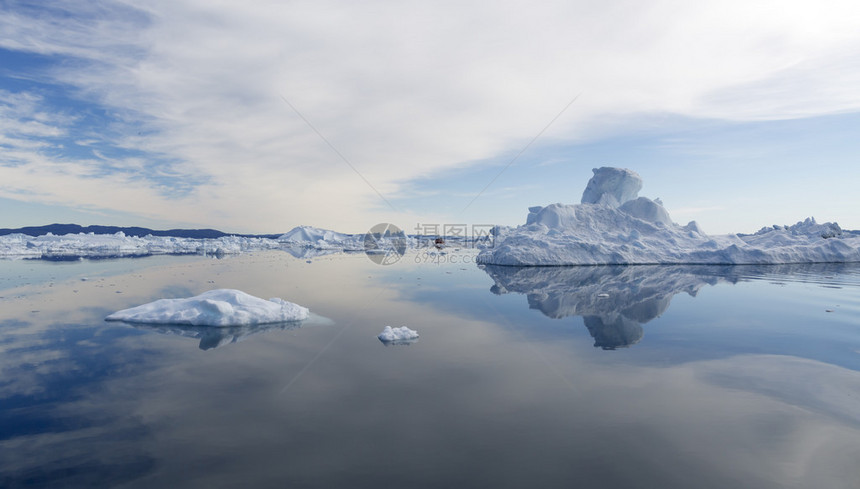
(612, 186)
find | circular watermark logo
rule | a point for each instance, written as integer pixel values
(385, 244)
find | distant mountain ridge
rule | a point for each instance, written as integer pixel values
(60, 229)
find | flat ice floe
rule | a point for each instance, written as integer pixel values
(612, 226)
(398, 336)
(221, 307)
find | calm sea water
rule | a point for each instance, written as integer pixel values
(606, 377)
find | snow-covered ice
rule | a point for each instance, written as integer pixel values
(220, 307)
(401, 335)
(613, 225)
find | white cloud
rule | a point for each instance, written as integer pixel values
(409, 89)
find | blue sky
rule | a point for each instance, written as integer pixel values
(183, 113)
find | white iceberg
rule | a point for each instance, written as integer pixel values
(401, 335)
(324, 239)
(220, 307)
(613, 226)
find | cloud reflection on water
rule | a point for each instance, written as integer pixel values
(104, 404)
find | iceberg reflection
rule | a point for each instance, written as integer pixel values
(306, 252)
(213, 336)
(616, 300)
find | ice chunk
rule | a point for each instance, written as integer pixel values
(221, 307)
(808, 227)
(694, 227)
(399, 335)
(534, 212)
(647, 209)
(612, 186)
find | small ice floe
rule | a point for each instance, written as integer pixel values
(398, 336)
(220, 307)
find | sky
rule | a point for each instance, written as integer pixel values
(258, 116)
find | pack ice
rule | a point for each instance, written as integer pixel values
(612, 225)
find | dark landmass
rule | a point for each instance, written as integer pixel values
(60, 229)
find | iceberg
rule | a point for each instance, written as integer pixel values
(614, 226)
(307, 241)
(321, 239)
(220, 307)
(398, 336)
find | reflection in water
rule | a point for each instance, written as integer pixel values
(92, 404)
(308, 252)
(214, 336)
(615, 301)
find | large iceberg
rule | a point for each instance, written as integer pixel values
(220, 307)
(613, 225)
